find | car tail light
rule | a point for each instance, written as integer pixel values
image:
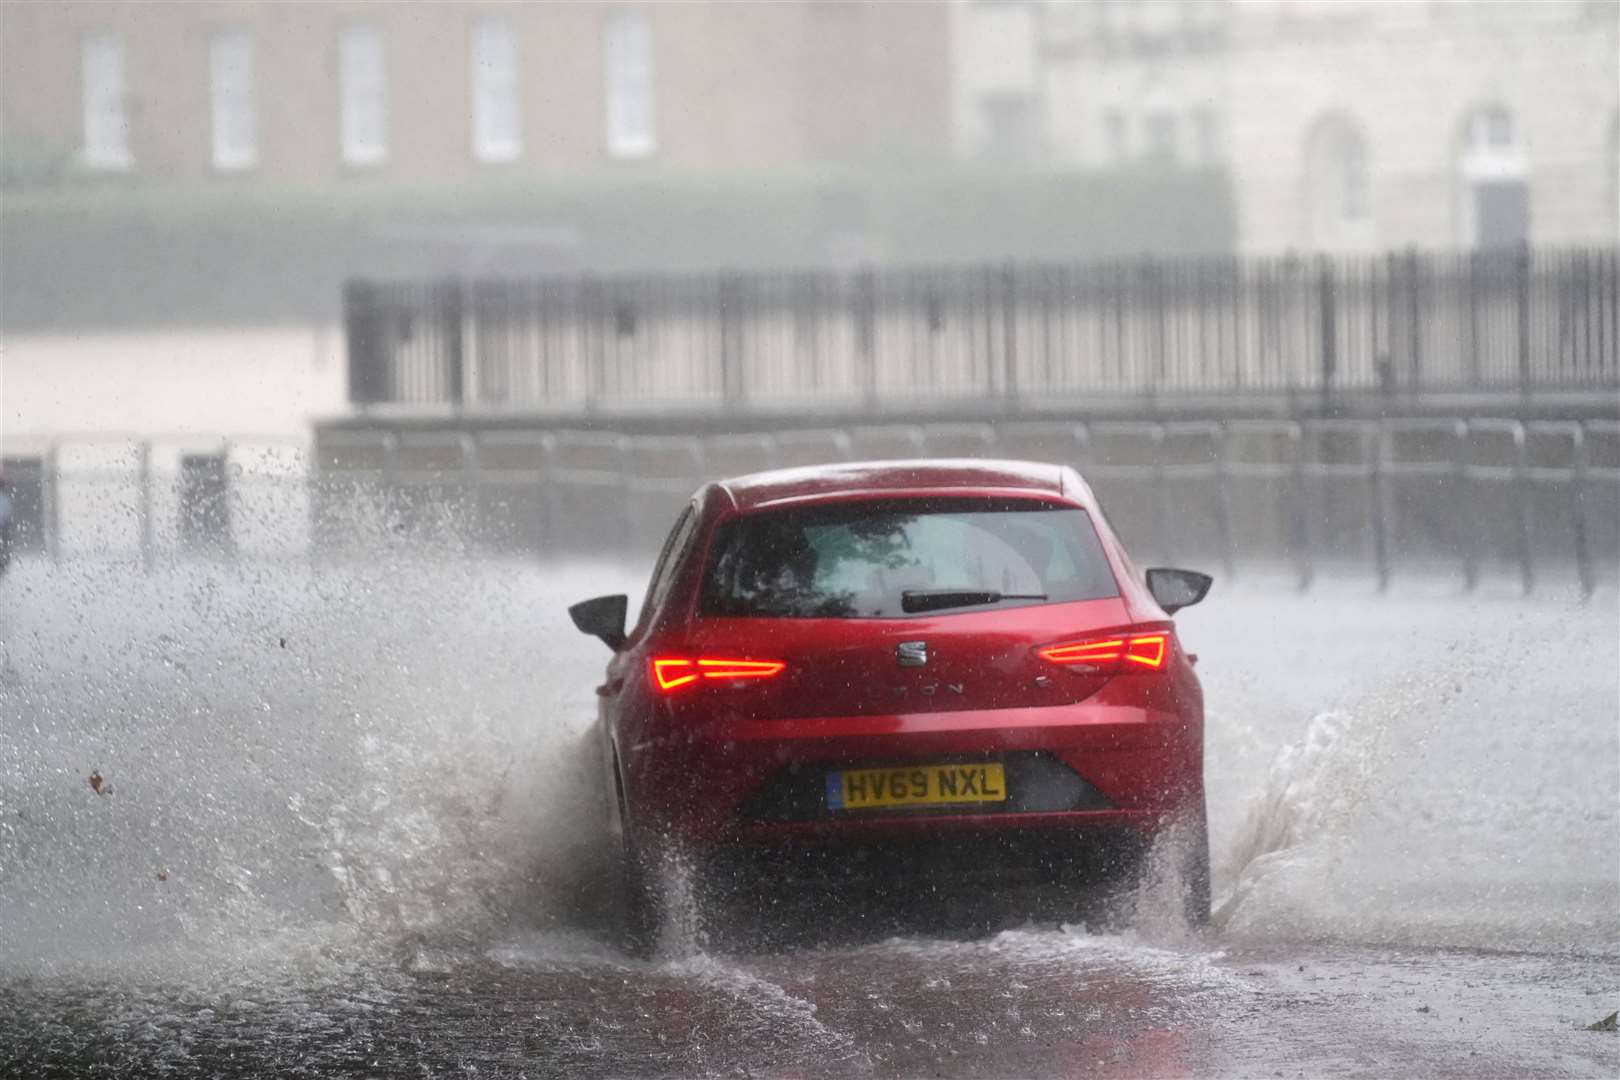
(670, 673)
(1129, 651)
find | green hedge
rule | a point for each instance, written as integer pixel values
(81, 255)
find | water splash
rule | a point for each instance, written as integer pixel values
(390, 754)
(1322, 791)
(1313, 788)
(354, 753)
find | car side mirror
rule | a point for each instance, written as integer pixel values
(602, 617)
(1176, 589)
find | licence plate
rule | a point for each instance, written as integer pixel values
(916, 785)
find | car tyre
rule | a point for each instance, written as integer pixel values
(641, 905)
(1195, 870)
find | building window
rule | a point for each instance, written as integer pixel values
(1491, 128)
(235, 115)
(1162, 133)
(1614, 163)
(627, 64)
(1206, 135)
(1352, 183)
(106, 121)
(1009, 126)
(1493, 181)
(1116, 135)
(362, 96)
(497, 122)
(1339, 196)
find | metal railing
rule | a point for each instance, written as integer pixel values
(1474, 499)
(1319, 333)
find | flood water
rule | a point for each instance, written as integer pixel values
(339, 819)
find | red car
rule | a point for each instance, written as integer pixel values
(951, 664)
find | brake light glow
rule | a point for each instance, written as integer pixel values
(1085, 652)
(673, 672)
(1146, 651)
(1143, 651)
(670, 673)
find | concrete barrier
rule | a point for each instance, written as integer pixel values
(1480, 498)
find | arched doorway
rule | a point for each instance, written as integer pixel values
(1338, 184)
(1493, 181)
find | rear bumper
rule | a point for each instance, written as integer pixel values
(697, 786)
(1003, 854)
(1054, 824)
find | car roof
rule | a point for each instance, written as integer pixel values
(933, 475)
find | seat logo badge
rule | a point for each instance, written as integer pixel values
(912, 653)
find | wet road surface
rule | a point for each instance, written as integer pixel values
(347, 828)
(1019, 1003)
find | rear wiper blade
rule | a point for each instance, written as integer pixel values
(914, 600)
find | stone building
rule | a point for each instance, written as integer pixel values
(432, 91)
(1347, 125)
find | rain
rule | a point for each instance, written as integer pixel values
(344, 347)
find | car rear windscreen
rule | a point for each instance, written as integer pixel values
(860, 559)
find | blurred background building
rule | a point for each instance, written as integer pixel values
(1345, 125)
(405, 91)
(188, 185)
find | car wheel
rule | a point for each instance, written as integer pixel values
(1165, 878)
(1195, 870)
(641, 903)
